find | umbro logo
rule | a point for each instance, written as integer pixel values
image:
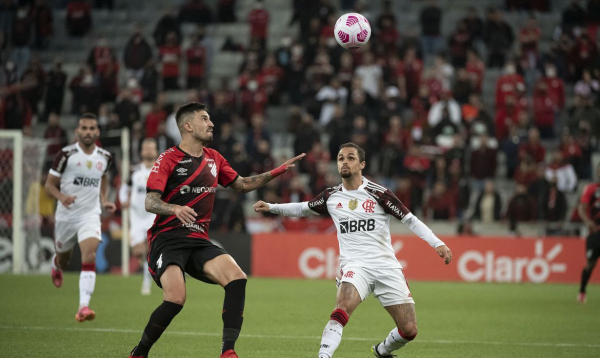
(182, 171)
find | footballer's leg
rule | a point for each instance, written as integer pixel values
(405, 317)
(64, 241)
(347, 299)
(174, 294)
(60, 261)
(585, 277)
(224, 271)
(87, 278)
(139, 251)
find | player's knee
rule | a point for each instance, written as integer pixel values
(409, 330)
(175, 297)
(63, 262)
(89, 257)
(239, 275)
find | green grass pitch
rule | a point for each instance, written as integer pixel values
(285, 318)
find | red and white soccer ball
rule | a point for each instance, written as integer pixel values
(352, 30)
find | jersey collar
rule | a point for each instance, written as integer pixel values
(82, 151)
(365, 181)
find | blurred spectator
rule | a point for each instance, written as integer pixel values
(484, 153)
(573, 16)
(304, 11)
(439, 171)
(163, 141)
(498, 37)
(271, 76)
(15, 113)
(21, 39)
(587, 86)
(259, 23)
(390, 152)
(306, 135)
(526, 172)
(533, 148)
(361, 136)
(388, 35)
(79, 18)
(42, 20)
(476, 118)
(391, 105)
(510, 147)
(585, 111)
(460, 187)
(583, 55)
(137, 136)
(224, 140)
(441, 203)
(126, 109)
(170, 58)
(39, 202)
(153, 119)
(226, 11)
(256, 133)
(510, 84)
(528, 38)
(221, 113)
(196, 61)
(240, 161)
(315, 156)
(431, 21)
(459, 42)
(56, 135)
(254, 99)
(408, 73)
(387, 14)
(331, 96)
(321, 71)
(168, 23)
(566, 179)
(521, 207)
(443, 72)
(338, 130)
(35, 77)
(474, 23)
(446, 103)
(8, 10)
(195, 11)
(262, 160)
(555, 85)
(101, 55)
(109, 81)
(108, 4)
(404, 192)
(416, 164)
(506, 117)
(488, 204)
(463, 87)
(544, 110)
(86, 92)
(476, 69)
(55, 89)
(149, 82)
(137, 54)
(554, 209)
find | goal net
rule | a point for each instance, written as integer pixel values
(23, 249)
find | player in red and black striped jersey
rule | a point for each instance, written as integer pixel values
(181, 191)
(589, 211)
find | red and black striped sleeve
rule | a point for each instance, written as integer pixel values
(159, 174)
(227, 175)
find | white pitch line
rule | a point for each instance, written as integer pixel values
(267, 336)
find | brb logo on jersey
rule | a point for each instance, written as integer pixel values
(83, 181)
(350, 226)
(369, 206)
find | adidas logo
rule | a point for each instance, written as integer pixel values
(339, 206)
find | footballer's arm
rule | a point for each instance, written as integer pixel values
(289, 209)
(424, 232)
(244, 185)
(110, 206)
(52, 187)
(155, 205)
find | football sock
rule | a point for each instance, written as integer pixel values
(233, 312)
(585, 277)
(395, 340)
(87, 282)
(147, 277)
(54, 265)
(159, 321)
(332, 334)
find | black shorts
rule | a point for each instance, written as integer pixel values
(190, 258)
(592, 246)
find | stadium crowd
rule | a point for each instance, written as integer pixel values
(414, 100)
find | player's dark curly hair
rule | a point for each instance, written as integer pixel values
(361, 152)
(188, 109)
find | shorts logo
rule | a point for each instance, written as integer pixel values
(349, 274)
(369, 206)
(213, 169)
(353, 204)
(181, 171)
(159, 262)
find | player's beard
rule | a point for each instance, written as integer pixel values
(345, 173)
(87, 141)
(206, 139)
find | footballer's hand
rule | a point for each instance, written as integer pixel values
(111, 207)
(444, 252)
(185, 214)
(261, 207)
(290, 163)
(592, 227)
(67, 200)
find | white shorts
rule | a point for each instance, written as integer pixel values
(389, 286)
(138, 235)
(66, 231)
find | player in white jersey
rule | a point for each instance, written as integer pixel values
(78, 180)
(133, 196)
(361, 212)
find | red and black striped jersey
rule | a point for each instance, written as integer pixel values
(182, 179)
(591, 196)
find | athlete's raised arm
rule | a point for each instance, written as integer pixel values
(244, 185)
(290, 209)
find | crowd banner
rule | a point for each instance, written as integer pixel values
(489, 259)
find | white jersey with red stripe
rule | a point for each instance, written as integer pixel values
(80, 176)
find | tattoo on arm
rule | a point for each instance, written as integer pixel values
(244, 185)
(155, 205)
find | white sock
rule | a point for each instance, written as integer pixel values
(147, 277)
(393, 342)
(87, 282)
(54, 263)
(332, 336)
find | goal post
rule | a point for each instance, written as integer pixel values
(21, 164)
(125, 170)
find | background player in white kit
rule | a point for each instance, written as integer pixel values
(361, 213)
(133, 195)
(78, 180)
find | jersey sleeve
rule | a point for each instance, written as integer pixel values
(159, 174)
(109, 162)
(226, 173)
(393, 206)
(60, 164)
(588, 192)
(319, 203)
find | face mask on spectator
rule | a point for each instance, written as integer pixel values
(21, 14)
(252, 86)
(510, 69)
(10, 66)
(87, 80)
(551, 72)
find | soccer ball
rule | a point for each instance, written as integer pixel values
(352, 30)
